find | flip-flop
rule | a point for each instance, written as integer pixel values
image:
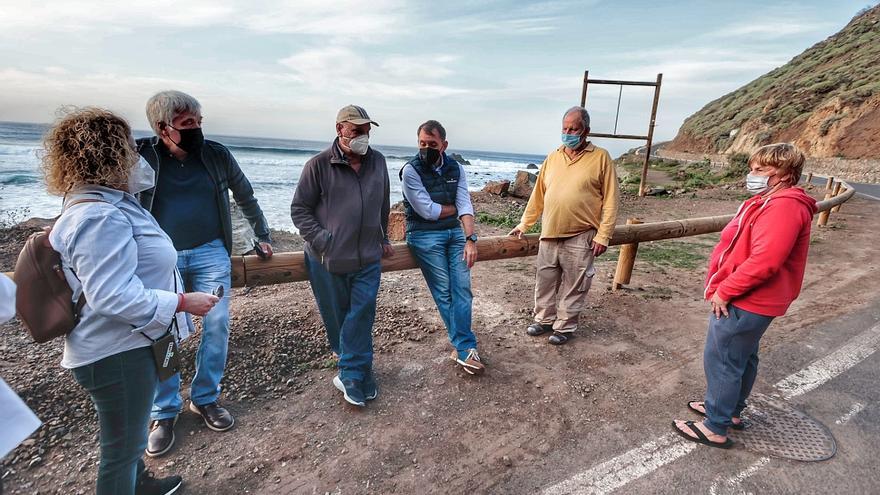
(740, 426)
(701, 438)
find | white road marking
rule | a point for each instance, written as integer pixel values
(830, 366)
(734, 481)
(617, 472)
(648, 457)
(856, 408)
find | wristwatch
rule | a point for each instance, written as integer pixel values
(472, 237)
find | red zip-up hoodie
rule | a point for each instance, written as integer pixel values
(758, 265)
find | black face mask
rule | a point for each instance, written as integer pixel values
(191, 140)
(429, 156)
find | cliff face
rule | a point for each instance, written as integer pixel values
(826, 101)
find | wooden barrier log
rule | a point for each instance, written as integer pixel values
(829, 184)
(626, 260)
(290, 267)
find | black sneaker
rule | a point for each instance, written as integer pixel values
(161, 437)
(536, 329)
(371, 391)
(352, 390)
(559, 338)
(148, 484)
(216, 417)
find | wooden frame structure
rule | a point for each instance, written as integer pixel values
(649, 138)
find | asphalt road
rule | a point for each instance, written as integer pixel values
(870, 191)
(844, 396)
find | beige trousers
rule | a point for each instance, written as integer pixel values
(565, 272)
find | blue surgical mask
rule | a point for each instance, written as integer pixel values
(571, 140)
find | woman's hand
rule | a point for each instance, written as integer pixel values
(719, 306)
(198, 303)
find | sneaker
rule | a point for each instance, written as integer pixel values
(148, 484)
(559, 338)
(352, 390)
(216, 417)
(470, 361)
(371, 391)
(536, 329)
(161, 437)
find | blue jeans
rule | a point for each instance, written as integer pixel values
(730, 361)
(203, 268)
(440, 255)
(121, 387)
(347, 303)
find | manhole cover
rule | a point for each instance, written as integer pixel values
(775, 429)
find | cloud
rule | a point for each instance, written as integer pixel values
(770, 30)
(338, 19)
(390, 77)
(109, 17)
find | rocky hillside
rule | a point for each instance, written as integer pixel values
(826, 100)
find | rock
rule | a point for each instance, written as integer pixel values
(532, 166)
(506, 460)
(497, 187)
(396, 226)
(523, 184)
(460, 159)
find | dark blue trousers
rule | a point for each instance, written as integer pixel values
(347, 303)
(122, 387)
(730, 360)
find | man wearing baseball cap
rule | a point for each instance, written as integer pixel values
(341, 207)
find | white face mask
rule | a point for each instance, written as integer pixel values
(141, 177)
(359, 144)
(757, 184)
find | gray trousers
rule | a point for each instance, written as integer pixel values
(565, 272)
(730, 360)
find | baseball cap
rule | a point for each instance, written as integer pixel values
(354, 114)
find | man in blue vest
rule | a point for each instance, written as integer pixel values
(440, 235)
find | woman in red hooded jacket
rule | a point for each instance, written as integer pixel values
(755, 273)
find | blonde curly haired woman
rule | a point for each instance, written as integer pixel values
(114, 253)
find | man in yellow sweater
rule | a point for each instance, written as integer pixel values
(577, 196)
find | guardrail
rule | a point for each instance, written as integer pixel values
(290, 267)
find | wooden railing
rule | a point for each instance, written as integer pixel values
(290, 267)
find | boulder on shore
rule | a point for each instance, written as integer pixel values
(460, 159)
(497, 187)
(532, 166)
(523, 184)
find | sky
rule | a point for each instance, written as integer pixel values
(498, 74)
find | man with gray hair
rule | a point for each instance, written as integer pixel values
(190, 201)
(576, 197)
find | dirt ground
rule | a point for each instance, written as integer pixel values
(434, 429)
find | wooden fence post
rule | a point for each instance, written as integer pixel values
(829, 184)
(823, 216)
(838, 190)
(809, 178)
(626, 260)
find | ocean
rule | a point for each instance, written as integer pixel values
(273, 167)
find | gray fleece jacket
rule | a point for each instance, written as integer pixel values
(343, 215)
